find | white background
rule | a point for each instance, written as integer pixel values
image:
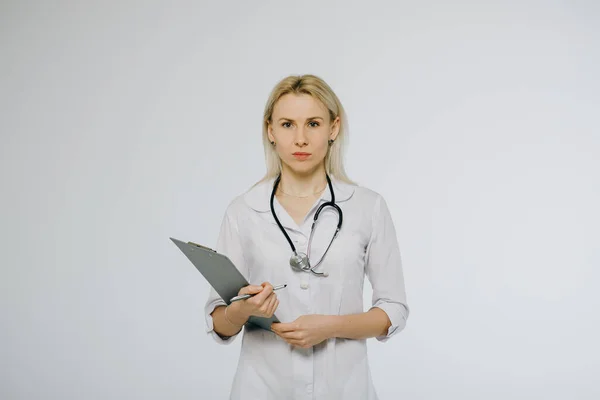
(124, 123)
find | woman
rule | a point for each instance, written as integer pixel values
(318, 350)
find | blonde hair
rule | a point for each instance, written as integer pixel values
(318, 89)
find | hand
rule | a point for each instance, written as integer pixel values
(306, 331)
(262, 304)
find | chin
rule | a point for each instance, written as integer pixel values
(302, 168)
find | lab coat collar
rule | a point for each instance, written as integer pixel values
(259, 196)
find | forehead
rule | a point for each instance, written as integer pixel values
(299, 106)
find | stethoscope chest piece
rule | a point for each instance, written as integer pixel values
(299, 262)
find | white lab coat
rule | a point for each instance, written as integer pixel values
(269, 367)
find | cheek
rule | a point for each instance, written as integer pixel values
(286, 138)
(321, 149)
(321, 141)
(285, 149)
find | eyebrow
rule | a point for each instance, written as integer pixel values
(289, 119)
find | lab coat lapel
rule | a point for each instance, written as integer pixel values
(258, 198)
(284, 217)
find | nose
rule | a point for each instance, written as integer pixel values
(300, 139)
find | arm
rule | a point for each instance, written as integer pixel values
(372, 323)
(309, 330)
(228, 243)
(384, 270)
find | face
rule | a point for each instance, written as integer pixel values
(301, 129)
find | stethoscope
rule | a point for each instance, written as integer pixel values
(300, 261)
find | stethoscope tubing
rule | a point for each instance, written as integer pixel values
(317, 213)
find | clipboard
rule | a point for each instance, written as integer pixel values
(221, 274)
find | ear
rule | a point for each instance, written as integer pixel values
(335, 128)
(270, 133)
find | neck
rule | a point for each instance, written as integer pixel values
(303, 185)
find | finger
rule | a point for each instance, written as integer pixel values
(272, 299)
(293, 336)
(267, 290)
(285, 327)
(264, 304)
(293, 340)
(272, 307)
(263, 295)
(275, 327)
(298, 343)
(257, 300)
(261, 309)
(268, 304)
(275, 305)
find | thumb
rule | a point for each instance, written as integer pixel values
(251, 289)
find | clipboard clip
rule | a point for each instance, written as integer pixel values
(202, 247)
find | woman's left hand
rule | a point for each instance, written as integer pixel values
(306, 331)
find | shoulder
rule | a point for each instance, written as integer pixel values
(373, 205)
(235, 205)
(367, 197)
(255, 198)
(367, 193)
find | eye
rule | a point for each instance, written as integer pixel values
(313, 124)
(286, 124)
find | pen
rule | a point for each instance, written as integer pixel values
(247, 296)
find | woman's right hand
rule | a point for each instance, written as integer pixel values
(262, 304)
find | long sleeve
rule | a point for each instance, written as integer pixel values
(229, 244)
(384, 270)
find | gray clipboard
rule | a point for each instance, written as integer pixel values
(221, 274)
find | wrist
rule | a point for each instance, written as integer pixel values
(236, 314)
(334, 326)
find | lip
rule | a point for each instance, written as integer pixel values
(301, 156)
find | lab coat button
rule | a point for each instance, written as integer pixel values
(304, 285)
